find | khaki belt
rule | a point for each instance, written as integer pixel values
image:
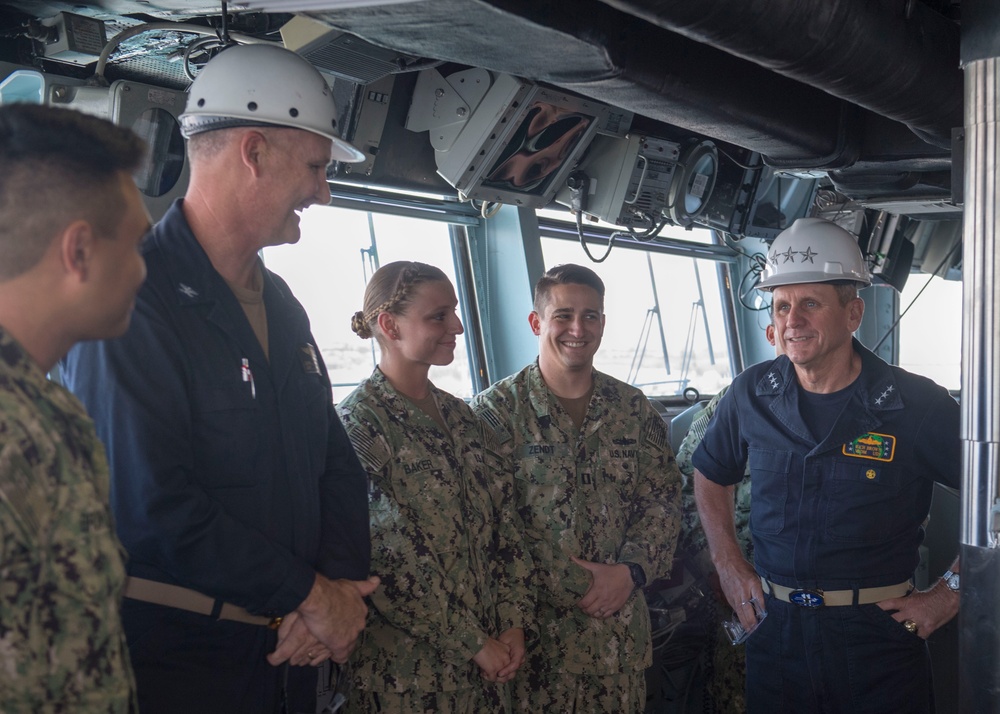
(192, 601)
(814, 597)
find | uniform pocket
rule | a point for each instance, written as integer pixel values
(227, 434)
(884, 622)
(769, 482)
(861, 501)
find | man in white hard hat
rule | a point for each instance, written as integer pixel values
(843, 452)
(234, 487)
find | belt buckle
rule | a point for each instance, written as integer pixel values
(806, 598)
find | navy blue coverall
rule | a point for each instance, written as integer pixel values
(844, 513)
(232, 478)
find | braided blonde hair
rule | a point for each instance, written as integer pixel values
(390, 290)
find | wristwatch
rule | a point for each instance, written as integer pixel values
(951, 580)
(638, 577)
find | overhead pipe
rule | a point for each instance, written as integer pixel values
(612, 57)
(897, 58)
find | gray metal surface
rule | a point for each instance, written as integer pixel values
(979, 689)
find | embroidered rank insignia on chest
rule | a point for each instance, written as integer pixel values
(880, 447)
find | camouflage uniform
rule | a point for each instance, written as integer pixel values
(726, 679)
(445, 543)
(692, 536)
(609, 493)
(62, 569)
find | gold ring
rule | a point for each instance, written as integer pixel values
(310, 655)
(910, 626)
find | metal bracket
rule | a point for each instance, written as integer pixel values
(442, 105)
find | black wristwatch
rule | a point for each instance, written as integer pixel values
(638, 577)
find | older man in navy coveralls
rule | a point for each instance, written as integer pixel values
(843, 452)
(234, 487)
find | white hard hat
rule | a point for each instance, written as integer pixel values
(813, 250)
(264, 84)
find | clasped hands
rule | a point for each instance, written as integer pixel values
(326, 625)
(501, 657)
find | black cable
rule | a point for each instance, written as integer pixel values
(757, 264)
(583, 243)
(758, 261)
(224, 28)
(649, 234)
(727, 238)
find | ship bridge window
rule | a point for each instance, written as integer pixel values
(329, 268)
(666, 320)
(930, 333)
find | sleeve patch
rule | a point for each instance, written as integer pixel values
(654, 432)
(372, 450)
(496, 426)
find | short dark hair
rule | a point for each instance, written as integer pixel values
(566, 274)
(58, 165)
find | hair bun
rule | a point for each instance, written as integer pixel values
(360, 326)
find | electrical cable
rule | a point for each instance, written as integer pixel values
(223, 30)
(488, 210)
(203, 44)
(892, 327)
(583, 243)
(650, 233)
(758, 261)
(727, 239)
(756, 268)
(742, 166)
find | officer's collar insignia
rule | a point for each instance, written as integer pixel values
(771, 383)
(884, 395)
(187, 290)
(886, 398)
(881, 447)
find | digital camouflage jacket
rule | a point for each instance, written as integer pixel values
(445, 542)
(62, 571)
(608, 493)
